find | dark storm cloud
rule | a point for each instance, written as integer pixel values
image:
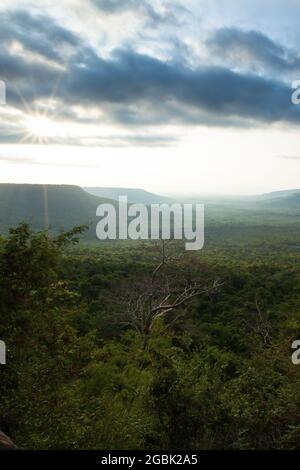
(38, 34)
(26, 80)
(255, 46)
(129, 78)
(133, 88)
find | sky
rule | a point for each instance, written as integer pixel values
(176, 97)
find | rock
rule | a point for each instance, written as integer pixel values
(6, 443)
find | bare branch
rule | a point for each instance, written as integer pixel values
(165, 291)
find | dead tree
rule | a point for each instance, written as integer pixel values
(164, 291)
(261, 325)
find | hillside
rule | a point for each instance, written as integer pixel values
(279, 195)
(280, 200)
(63, 207)
(133, 195)
(54, 206)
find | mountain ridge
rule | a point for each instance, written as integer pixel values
(61, 207)
(58, 207)
(134, 195)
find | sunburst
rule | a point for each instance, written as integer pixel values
(40, 124)
(41, 128)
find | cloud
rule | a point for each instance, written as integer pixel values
(289, 157)
(169, 12)
(39, 34)
(129, 78)
(92, 141)
(112, 6)
(23, 160)
(17, 160)
(137, 89)
(253, 47)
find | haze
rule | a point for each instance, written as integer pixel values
(171, 96)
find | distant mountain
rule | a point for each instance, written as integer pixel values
(133, 195)
(279, 200)
(54, 206)
(279, 194)
(61, 207)
(285, 202)
(288, 199)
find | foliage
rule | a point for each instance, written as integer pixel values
(208, 378)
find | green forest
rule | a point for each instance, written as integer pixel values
(149, 230)
(145, 346)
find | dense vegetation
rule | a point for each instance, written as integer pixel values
(215, 373)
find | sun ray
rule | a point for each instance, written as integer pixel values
(40, 127)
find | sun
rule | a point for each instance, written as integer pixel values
(41, 128)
